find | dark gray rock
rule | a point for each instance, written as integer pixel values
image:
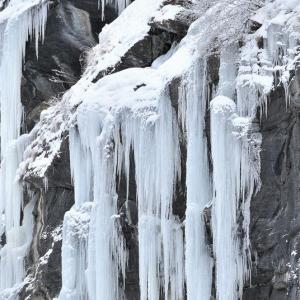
(179, 25)
(43, 262)
(69, 34)
(44, 259)
(275, 210)
(142, 54)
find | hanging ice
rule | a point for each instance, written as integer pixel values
(74, 252)
(157, 168)
(18, 21)
(111, 125)
(226, 162)
(234, 180)
(120, 5)
(91, 236)
(197, 259)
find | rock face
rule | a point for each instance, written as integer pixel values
(53, 199)
(68, 35)
(275, 209)
(72, 29)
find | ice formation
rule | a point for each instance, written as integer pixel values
(18, 21)
(127, 121)
(198, 262)
(120, 5)
(234, 138)
(122, 114)
(235, 177)
(118, 125)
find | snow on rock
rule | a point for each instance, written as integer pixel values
(270, 54)
(174, 19)
(50, 130)
(223, 105)
(168, 12)
(114, 41)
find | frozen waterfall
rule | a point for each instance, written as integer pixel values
(137, 123)
(18, 22)
(106, 144)
(234, 180)
(198, 262)
(128, 122)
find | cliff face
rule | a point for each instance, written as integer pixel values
(156, 63)
(274, 211)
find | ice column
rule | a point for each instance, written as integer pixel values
(234, 179)
(161, 264)
(16, 31)
(74, 252)
(226, 163)
(93, 250)
(197, 259)
(100, 149)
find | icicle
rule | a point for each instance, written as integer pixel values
(235, 158)
(74, 254)
(119, 5)
(226, 158)
(235, 176)
(16, 33)
(18, 237)
(157, 169)
(18, 22)
(107, 255)
(197, 259)
(12, 255)
(99, 255)
(104, 140)
(277, 43)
